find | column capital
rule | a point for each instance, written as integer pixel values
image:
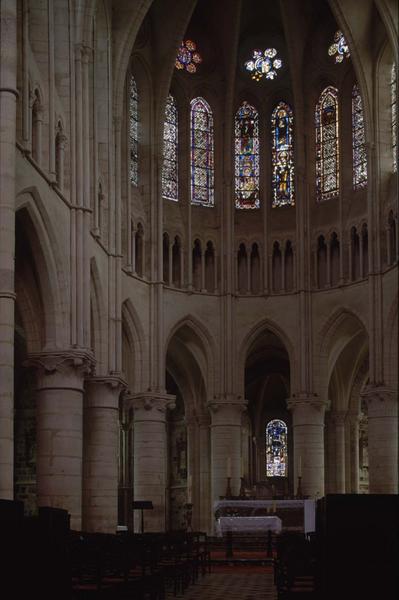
(381, 400)
(104, 392)
(307, 408)
(61, 368)
(338, 417)
(226, 409)
(146, 405)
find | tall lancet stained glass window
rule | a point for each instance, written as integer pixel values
(327, 146)
(170, 151)
(246, 157)
(359, 153)
(202, 167)
(134, 131)
(282, 155)
(276, 449)
(394, 119)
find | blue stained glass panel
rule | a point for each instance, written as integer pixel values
(246, 157)
(276, 449)
(282, 155)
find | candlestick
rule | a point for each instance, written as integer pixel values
(228, 466)
(228, 488)
(189, 489)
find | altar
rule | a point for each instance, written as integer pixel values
(247, 525)
(294, 515)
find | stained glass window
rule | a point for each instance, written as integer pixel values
(358, 141)
(134, 131)
(276, 449)
(170, 149)
(339, 48)
(282, 155)
(394, 122)
(264, 64)
(327, 147)
(246, 157)
(188, 57)
(202, 170)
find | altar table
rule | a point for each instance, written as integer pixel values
(305, 509)
(244, 525)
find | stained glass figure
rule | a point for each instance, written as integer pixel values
(359, 153)
(339, 48)
(276, 449)
(188, 57)
(264, 64)
(327, 147)
(282, 155)
(202, 166)
(394, 122)
(134, 131)
(170, 151)
(246, 157)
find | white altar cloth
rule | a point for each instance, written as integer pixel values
(247, 525)
(251, 506)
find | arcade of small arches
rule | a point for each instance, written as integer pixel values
(155, 339)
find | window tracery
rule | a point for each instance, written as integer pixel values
(134, 131)
(339, 48)
(358, 141)
(202, 154)
(282, 155)
(276, 448)
(188, 57)
(327, 145)
(170, 151)
(246, 157)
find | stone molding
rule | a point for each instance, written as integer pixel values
(150, 405)
(104, 391)
(338, 418)
(61, 369)
(307, 409)
(381, 400)
(227, 409)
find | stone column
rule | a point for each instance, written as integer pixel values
(206, 518)
(338, 419)
(226, 445)
(8, 97)
(308, 424)
(382, 405)
(354, 420)
(60, 380)
(100, 454)
(150, 455)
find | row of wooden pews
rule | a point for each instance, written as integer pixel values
(137, 566)
(295, 567)
(42, 557)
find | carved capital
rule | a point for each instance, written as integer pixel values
(307, 408)
(338, 418)
(381, 400)
(104, 392)
(62, 369)
(226, 409)
(150, 406)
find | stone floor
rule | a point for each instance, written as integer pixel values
(231, 586)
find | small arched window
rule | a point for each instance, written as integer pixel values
(170, 151)
(134, 131)
(202, 167)
(282, 156)
(394, 118)
(327, 146)
(246, 157)
(358, 141)
(276, 449)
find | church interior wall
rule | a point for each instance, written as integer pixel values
(146, 298)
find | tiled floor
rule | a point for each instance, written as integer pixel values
(226, 586)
